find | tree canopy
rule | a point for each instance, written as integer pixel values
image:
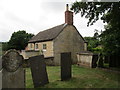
(19, 40)
(109, 12)
(94, 43)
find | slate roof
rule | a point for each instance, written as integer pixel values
(48, 34)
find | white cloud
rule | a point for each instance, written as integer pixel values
(36, 15)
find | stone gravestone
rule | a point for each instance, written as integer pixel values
(38, 69)
(66, 66)
(100, 61)
(94, 60)
(13, 75)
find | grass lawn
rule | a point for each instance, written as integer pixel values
(81, 78)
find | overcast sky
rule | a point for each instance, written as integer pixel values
(38, 15)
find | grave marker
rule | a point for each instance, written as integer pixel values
(13, 75)
(66, 66)
(94, 60)
(38, 70)
(100, 61)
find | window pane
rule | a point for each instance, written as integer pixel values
(31, 45)
(36, 46)
(44, 46)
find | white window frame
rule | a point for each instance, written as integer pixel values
(36, 46)
(44, 49)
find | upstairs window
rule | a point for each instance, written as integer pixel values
(44, 46)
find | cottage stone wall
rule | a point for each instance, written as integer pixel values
(31, 46)
(69, 40)
(48, 52)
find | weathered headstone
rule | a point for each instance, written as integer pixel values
(94, 60)
(13, 75)
(38, 69)
(66, 66)
(100, 61)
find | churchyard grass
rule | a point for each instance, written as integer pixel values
(81, 78)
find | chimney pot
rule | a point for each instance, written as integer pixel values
(67, 7)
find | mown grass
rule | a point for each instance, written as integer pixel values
(81, 78)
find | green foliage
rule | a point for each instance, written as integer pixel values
(97, 50)
(19, 40)
(81, 78)
(93, 43)
(111, 40)
(4, 46)
(109, 12)
(93, 10)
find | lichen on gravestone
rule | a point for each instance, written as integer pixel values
(12, 70)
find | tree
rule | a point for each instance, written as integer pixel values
(109, 12)
(4, 46)
(93, 42)
(19, 40)
(96, 34)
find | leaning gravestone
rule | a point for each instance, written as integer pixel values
(66, 66)
(13, 75)
(38, 69)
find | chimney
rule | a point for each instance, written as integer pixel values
(68, 16)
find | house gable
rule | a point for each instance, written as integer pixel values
(69, 40)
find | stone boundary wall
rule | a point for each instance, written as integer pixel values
(49, 61)
(29, 53)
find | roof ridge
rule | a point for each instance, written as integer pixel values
(51, 28)
(48, 34)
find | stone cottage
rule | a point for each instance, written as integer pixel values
(61, 38)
